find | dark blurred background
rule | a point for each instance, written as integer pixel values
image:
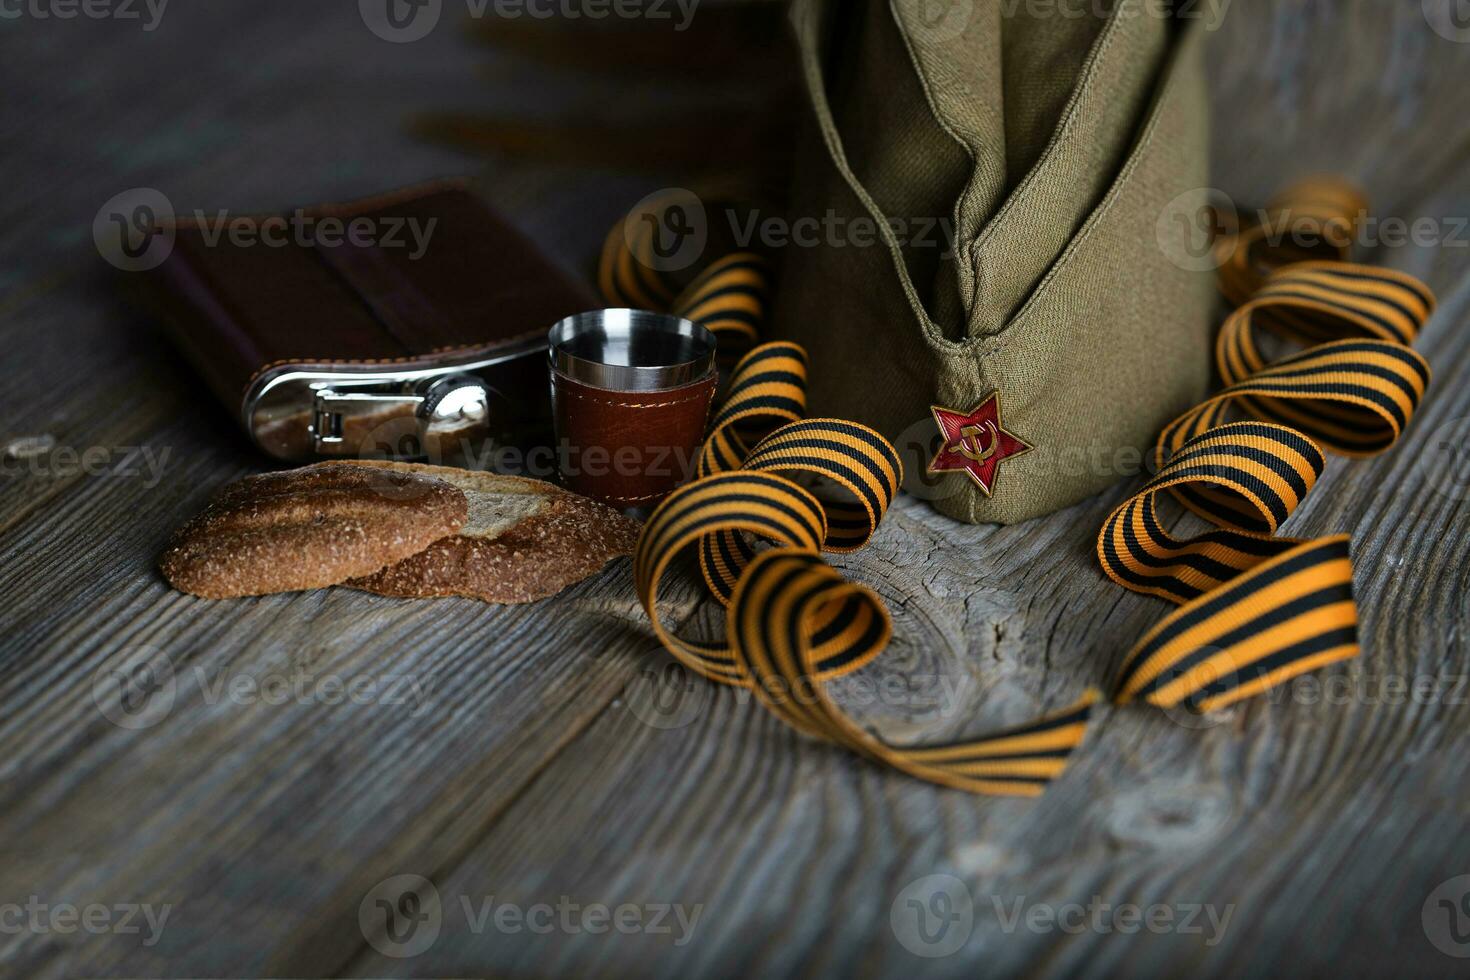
(272, 103)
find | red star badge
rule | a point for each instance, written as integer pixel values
(976, 442)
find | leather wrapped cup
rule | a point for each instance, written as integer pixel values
(631, 393)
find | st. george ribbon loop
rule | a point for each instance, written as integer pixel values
(1254, 609)
(1257, 609)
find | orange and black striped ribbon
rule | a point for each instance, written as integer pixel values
(1254, 609)
(1257, 609)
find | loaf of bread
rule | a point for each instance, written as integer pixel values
(398, 529)
(523, 540)
(309, 528)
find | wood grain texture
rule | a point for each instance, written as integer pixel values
(548, 752)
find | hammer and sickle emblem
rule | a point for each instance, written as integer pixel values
(969, 445)
(975, 442)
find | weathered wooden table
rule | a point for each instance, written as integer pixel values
(298, 753)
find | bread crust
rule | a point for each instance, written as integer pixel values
(525, 540)
(309, 528)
